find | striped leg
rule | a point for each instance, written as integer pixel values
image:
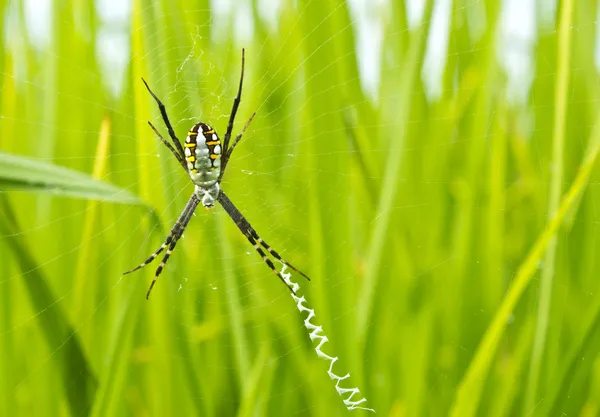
(268, 261)
(183, 220)
(274, 253)
(168, 145)
(155, 254)
(234, 109)
(163, 263)
(174, 235)
(163, 112)
(253, 237)
(227, 155)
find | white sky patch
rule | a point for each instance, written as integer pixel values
(220, 12)
(269, 11)
(115, 12)
(516, 42)
(546, 11)
(223, 12)
(437, 47)
(243, 22)
(414, 12)
(112, 50)
(113, 42)
(38, 15)
(368, 30)
(517, 37)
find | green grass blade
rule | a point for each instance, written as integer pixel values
(471, 386)
(118, 356)
(260, 373)
(234, 306)
(402, 155)
(84, 290)
(560, 120)
(585, 345)
(78, 381)
(32, 175)
(399, 120)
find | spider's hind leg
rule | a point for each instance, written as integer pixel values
(268, 261)
(174, 235)
(163, 262)
(275, 254)
(244, 226)
(153, 256)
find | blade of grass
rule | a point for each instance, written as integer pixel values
(389, 187)
(81, 300)
(8, 347)
(262, 371)
(511, 378)
(352, 132)
(30, 174)
(78, 381)
(586, 345)
(234, 306)
(329, 55)
(126, 319)
(118, 355)
(158, 384)
(471, 386)
(560, 119)
(585, 342)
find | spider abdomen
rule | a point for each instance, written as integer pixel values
(203, 155)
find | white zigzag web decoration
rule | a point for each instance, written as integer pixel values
(316, 332)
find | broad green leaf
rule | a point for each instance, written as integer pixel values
(78, 381)
(35, 175)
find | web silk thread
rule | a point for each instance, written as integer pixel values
(316, 333)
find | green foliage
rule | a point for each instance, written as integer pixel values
(450, 236)
(29, 174)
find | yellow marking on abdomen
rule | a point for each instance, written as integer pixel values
(209, 132)
(192, 133)
(213, 142)
(191, 158)
(214, 156)
(190, 145)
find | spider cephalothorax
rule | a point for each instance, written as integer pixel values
(204, 159)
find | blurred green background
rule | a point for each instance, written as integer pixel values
(431, 165)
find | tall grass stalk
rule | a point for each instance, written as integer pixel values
(423, 189)
(556, 167)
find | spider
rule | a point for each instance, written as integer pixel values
(205, 160)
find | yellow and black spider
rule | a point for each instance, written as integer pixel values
(204, 160)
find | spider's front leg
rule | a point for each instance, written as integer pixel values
(234, 108)
(163, 112)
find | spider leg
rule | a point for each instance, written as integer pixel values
(268, 261)
(155, 254)
(163, 112)
(227, 155)
(274, 253)
(236, 103)
(174, 235)
(168, 145)
(163, 262)
(253, 237)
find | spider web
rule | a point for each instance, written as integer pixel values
(221, 310)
